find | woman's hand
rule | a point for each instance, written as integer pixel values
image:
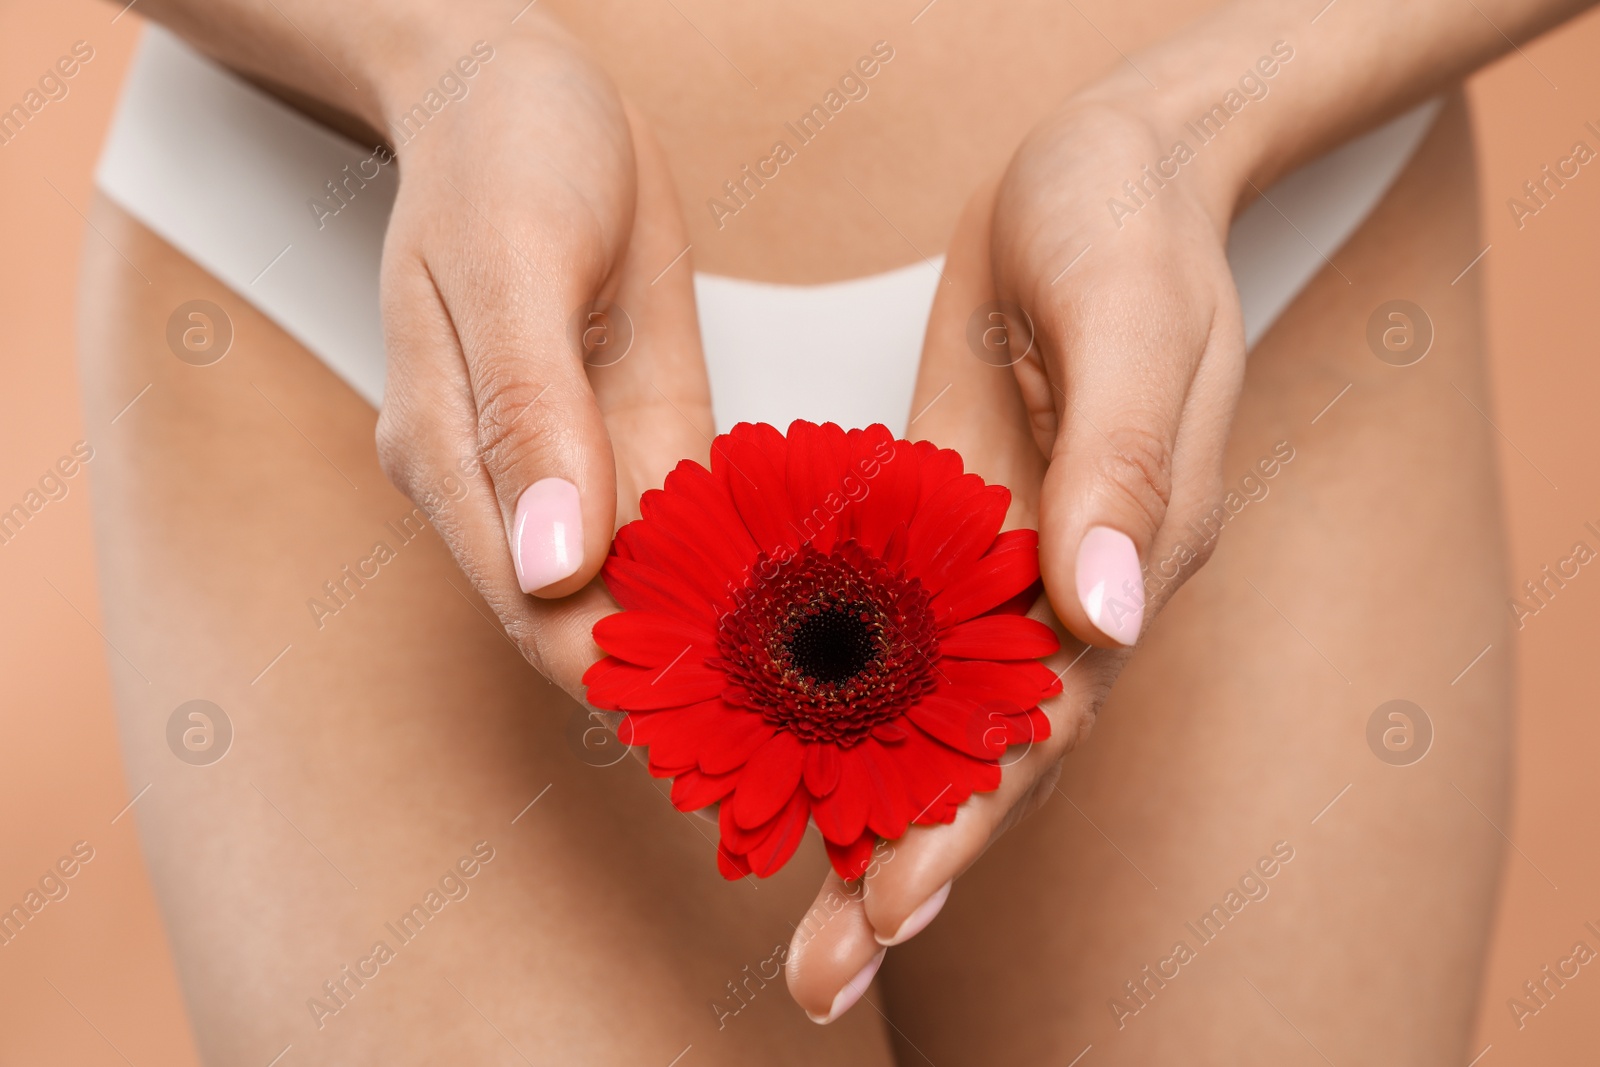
(523, 411)
(1095, 269)
(972, 405)
(1104, 405)
(1129, 354)
(536, 225)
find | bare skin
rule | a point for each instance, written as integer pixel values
(383, 745)
(1141, 356)
(1244, 713)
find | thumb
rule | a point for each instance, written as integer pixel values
(557, 468)
(1142, 417)
(643, 401)
(1109, 485)
(524, 307)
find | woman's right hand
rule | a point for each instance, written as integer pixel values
(528, 209)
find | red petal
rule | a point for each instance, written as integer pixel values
(961, 724)
(738, 734)
(890, 488)
(944, 766)
(937, 518)
(819, 457)
(644, 727)
(640, 587)
(737, 839)
(945, 777)
(967, 536)
(1020, 684)
(822, 769)
(889, 808)
(889, 732)
(842, 814)
(697, 503)
(939, 465)
(782, 837)
(1009, 567)
(757, 487)
(764, 436)
(679, 737)
(660, 768)
(852, 860)
(1022, 603)
(692, 790)
(731, 867)
(649, 639)
(999, 637)
(1025, 729)
(894, 548)
(769, 779)
(868, 441)
(618, 686)
(676, 551)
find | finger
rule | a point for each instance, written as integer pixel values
(968, 353)
(1123, 352)
(645, 364)
(832, 956)
(906, 891)
(427, 444)
(518, 279)
(904, 896)
(968, 401)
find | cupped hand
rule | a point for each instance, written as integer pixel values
(1100, 392)
(1111, 242)
(544, 355)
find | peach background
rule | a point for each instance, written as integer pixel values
(90, 981)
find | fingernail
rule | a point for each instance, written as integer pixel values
(1110, 587)
(918, 920)
(847, 997)
(547, 534)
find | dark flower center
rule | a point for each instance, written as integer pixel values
(833, 643)
(828, 646)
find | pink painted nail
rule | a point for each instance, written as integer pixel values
(847, 997)
(918, 920)
(1110, 587)
(547, 534)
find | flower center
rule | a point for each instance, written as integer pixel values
(828, 646)
(834, 643)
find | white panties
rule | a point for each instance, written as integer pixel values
(226, 174)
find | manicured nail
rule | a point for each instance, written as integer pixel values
(547, 534)
(918, 920)
(847, 997)
(1110, 587)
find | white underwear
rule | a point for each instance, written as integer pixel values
(226, 174)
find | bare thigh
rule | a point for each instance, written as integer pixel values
(377, 745)
(361, 876)
(1229, 872)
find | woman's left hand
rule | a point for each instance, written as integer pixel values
(1104, 404)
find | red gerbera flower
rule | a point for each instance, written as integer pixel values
(826, 627)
